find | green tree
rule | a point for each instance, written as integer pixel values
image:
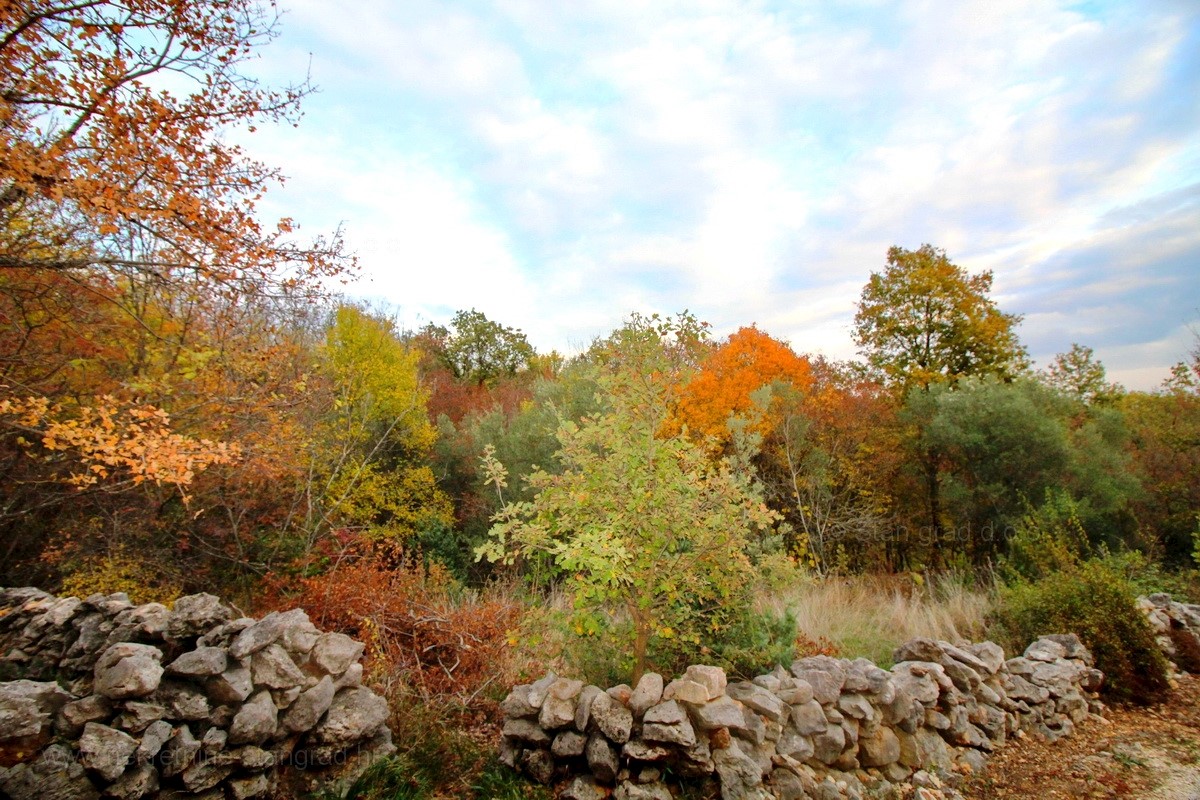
(1080, 374)
(648, 524)
(479, 350)
(925, 321)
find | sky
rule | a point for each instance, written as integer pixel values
(559, 165)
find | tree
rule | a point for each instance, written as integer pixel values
(480, 350)
(111, 115)
(729, 376)
(645, 522)
(924, 321)
(1080, 374)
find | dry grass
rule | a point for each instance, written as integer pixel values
(869, 616)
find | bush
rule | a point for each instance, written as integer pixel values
(1095, 600)
(1046, 540)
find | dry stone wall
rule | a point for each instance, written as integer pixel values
(825, 728)
(144, 701)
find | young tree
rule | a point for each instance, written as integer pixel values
(1080, 374)
(647, 523)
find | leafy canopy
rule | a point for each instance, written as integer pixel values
(924, 320)
(645, 523)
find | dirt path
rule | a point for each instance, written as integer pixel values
(1135, 753)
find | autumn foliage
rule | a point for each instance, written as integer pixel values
(725, 385)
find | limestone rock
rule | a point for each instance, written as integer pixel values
(202, 661)
(647, 693)
(255, 721)
(335, 652)
(711, 678)
(105, 750)
(128, 670)
(612, 719)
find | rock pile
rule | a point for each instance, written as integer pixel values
(144, 701)
(1176, 629)
(826, 728)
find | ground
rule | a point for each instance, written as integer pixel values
(1136, 753)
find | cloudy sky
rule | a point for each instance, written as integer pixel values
(557, 165)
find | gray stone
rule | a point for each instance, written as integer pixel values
(183, 701)
(540, 689)
(990, 653)
(273, 668)
(28, 708)
(602, 758)
(539, 765)
(828, 745)
(335, 652)
(155, 736)
(195, 615)
(204, 774)
(74, 715)
(758, 699)
(741, 776)
(525, 730)
(612, 719)
(255, 721)
(245, 788)
(1046, 650)
(105, 750)
(127, 670)
(355, 714)
(232, 686)
(583, 709)
(264, 632)
(556, 713)
(568, 744)
(138, 782)
(633, 791)
(919, 649)
(799, 693)
(647, 693)
(640, 750)
(583, 787)
(668, 722)
(711, 678)
(136, 716)
(306, 711)
(200, 662)
(213, 741)
(794, 745)
(854, 705)
(826, 685)
(179, 752)
(808, 718)
(516, 704)
(724, 712)
(686, 691)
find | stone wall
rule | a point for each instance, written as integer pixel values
(825, 728)
(144, 701)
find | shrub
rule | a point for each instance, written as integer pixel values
(414, 628)
(1096, 601)
(1045, 540)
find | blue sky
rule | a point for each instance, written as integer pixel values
(558, 165)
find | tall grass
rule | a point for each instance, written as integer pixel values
(869, 616)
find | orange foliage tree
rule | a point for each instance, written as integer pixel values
(728, 378)
(110, 115)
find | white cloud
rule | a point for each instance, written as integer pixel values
(752, 162)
